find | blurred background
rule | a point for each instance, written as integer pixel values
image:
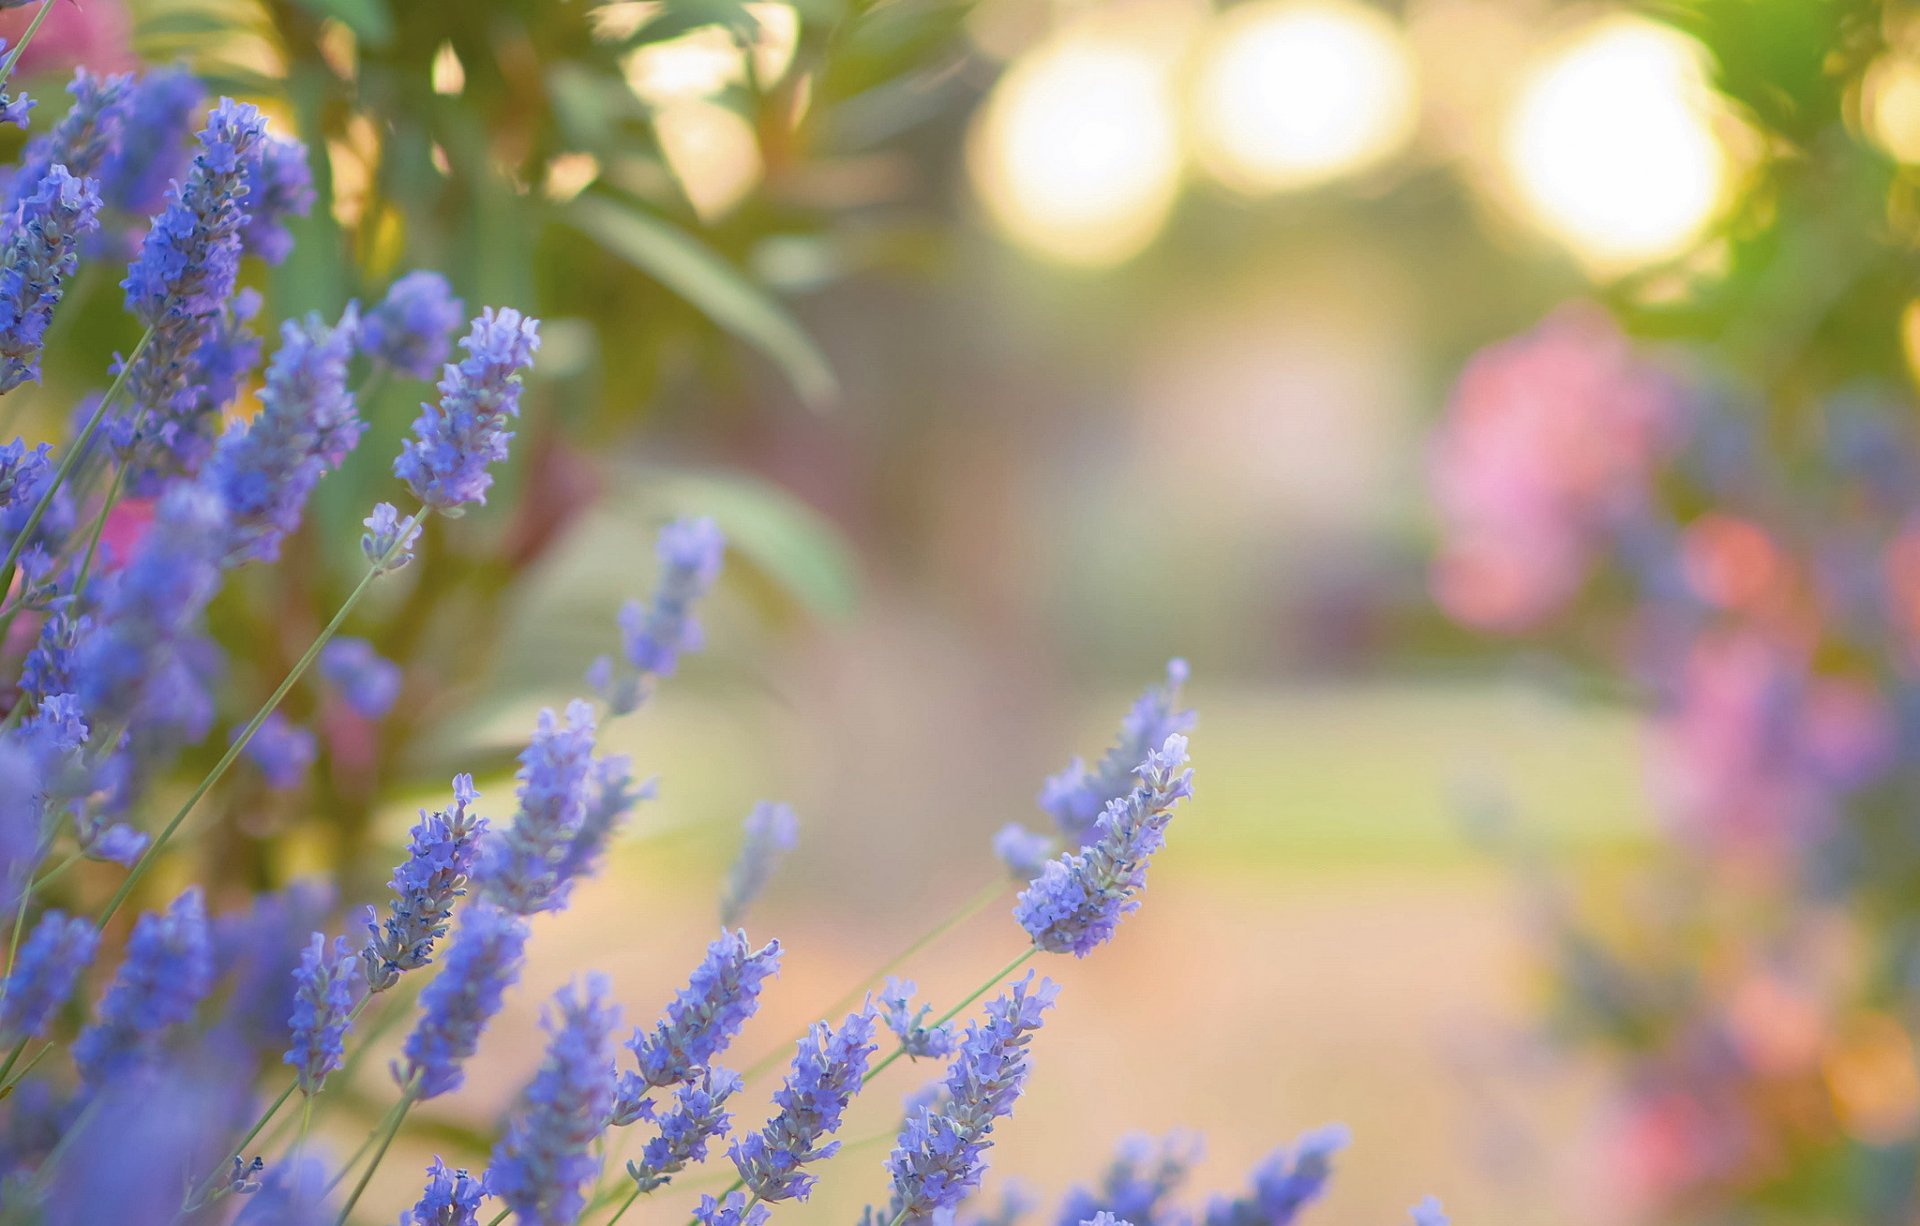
(1020, 345)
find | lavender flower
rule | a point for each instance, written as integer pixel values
(48, 668)
(151, 150)
(323, 1001)
(703, 1018)
(485, 958)
(439, 862)
(1104, 1218)
(1139, 1184)
(25, 473)
(267, 468)
(168, 970)
(228, 352)
(242, 1177)
(388, 540)
(14, 107)
(1429, 1213)
(79, 143)
(938, 1158)
(1078, 795)
(543, 1163)
(185, 272)
(827, 1073)
(916, 1038)
(445, 463)
(412, 328)
(282, 750)
(732, 1211)
(698, 1116)
(41, 253)
(279, 186)
(259, 951)
(1078, 900)
(128, 663)
(49, 964)
(522, 868)
(658, 634)
(367, 680)
(772, 830)
(1023, 851)
(611, 795)
(1284, 1182)
(452, 1198)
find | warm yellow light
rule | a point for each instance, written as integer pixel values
(447, 75)
(569, 174)
(1292, 93)
(1076, 153)
(1890, 106)
(1612, 144)
(712, 152)
(705, 61)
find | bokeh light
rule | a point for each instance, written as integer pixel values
(1613, 148)
(712, 151)
(705, 60)
(1076, 154)
(1292, 93)
(1890, 106)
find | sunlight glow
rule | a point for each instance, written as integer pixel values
(1293, 93)
(1076, 153)
(707, 60)
(712, 151)
(1613, 148)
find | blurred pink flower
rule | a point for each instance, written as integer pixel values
(1753, 751)
(95, 33)
(1549, 437)
(1672, 1140)
(126, 524)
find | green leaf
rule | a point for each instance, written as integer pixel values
(718, 290)
(368, 19)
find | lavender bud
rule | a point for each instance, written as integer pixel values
(412, 328)
(827, 1073)
(916, 1038)
(484, 959)
(40, 255)
(697, 1117)
(543, 1162)
(44, 975)
(439, 862)
(454, 442)
(323, 1004)
(388, 541)
(772, 830)
(167, 971)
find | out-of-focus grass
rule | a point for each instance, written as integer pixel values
(1330, 775)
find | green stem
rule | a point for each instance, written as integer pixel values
(395, 1119)
(13, 55)
(978, 903)
(208, 1190)
(7, 1083)
(78, 447)
(227, 759)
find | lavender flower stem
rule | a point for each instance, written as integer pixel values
(978, 903)
(78, 447)
(7, 1082)
(267, 708)
(13, 56)
(395, 1118)
(895, 1054)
